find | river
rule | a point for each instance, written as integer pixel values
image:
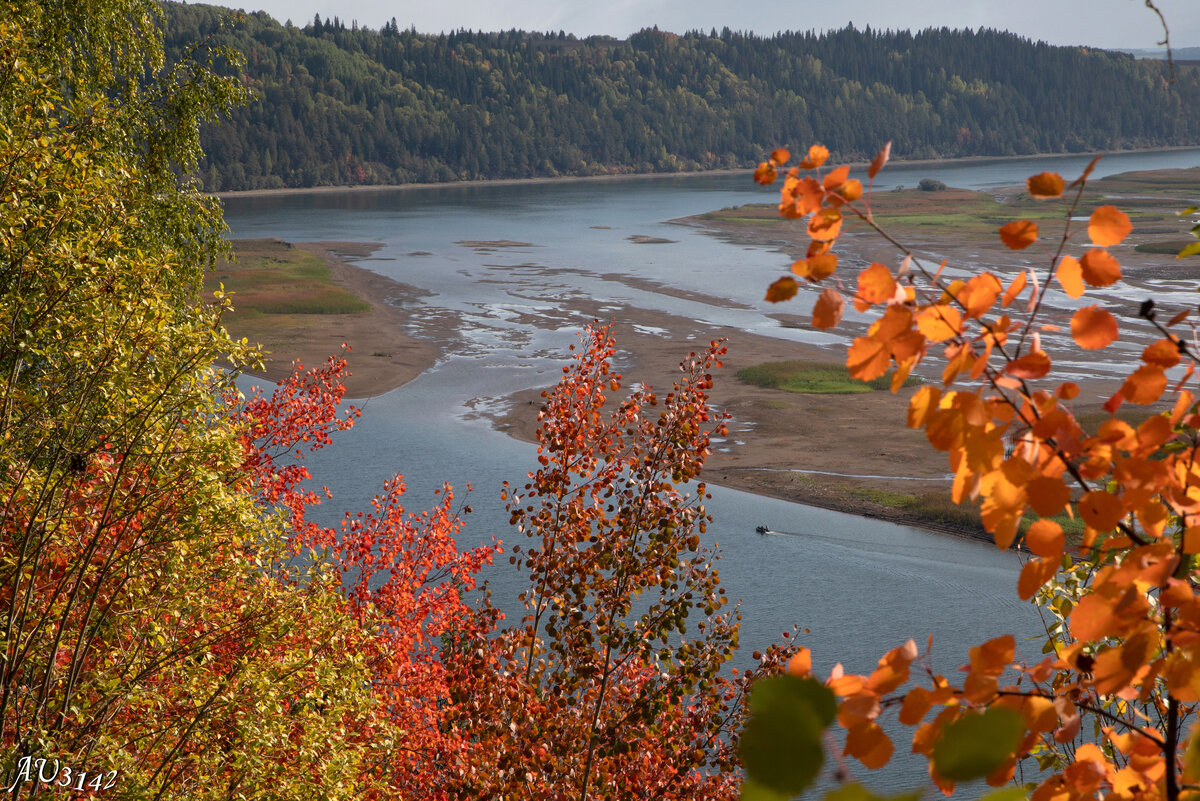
(860, 586)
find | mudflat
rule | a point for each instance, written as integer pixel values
(851, 452)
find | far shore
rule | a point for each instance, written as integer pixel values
(627, 176)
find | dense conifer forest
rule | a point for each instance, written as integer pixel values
(338, 104)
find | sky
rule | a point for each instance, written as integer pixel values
(1097, 23)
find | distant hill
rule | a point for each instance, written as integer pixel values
(345, 105)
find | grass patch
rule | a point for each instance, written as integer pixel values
(934, 507)
(1092, 421)
(1165, 248)
(277, 279)
(812, 378)
(938, 507)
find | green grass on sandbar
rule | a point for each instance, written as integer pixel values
(812, 378)
(278, 279)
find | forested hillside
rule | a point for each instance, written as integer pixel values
(336, 104)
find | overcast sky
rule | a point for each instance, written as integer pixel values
(1099, 23)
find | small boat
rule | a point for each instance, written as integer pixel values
(763, 530)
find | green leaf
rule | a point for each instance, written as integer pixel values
(978, 744)
(753, 791)
(1188, 210)
(856, 792)
(1190, 250)
(1006, 794)
(781, 745)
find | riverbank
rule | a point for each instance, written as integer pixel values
(302, 302)
(746, 171)
(851, 453)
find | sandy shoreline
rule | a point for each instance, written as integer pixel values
(642, 175)
(383, 355)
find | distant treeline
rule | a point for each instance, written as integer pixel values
(338, 104)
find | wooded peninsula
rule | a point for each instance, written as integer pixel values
(337, 104)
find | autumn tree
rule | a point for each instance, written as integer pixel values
(158, 636)
(1107, 712)
(613, 682)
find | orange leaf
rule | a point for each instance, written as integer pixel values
(783, 289)
(921, 404)
(836, 178)
(1086, 172)
(825, 225)
(1164, 353)
(1091, 618)
(881, 158)
(1045, 537)
(1045, 185)
(828, 309)
(801, 663)
(780, 155)
(1014, 289)
(1108, 226)
(992, 657)
(765, 174)
(1100, 510)
(1047, 496)
(875, 285)
(817, 155)
(817, 249)
(1146, 384)
(1099, 268)
(1034, 574)
(851, 190)
(1019, 234)
(1070, 276)
(939, 323)
(808, 195)
(980, 294)
(867, 359)
(916, 706)
(1093, 328)
(816, 268)
(1032, 365)
(1069, 390)
(867, 743)
(1191, 540)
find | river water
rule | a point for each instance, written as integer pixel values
(860, 586)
